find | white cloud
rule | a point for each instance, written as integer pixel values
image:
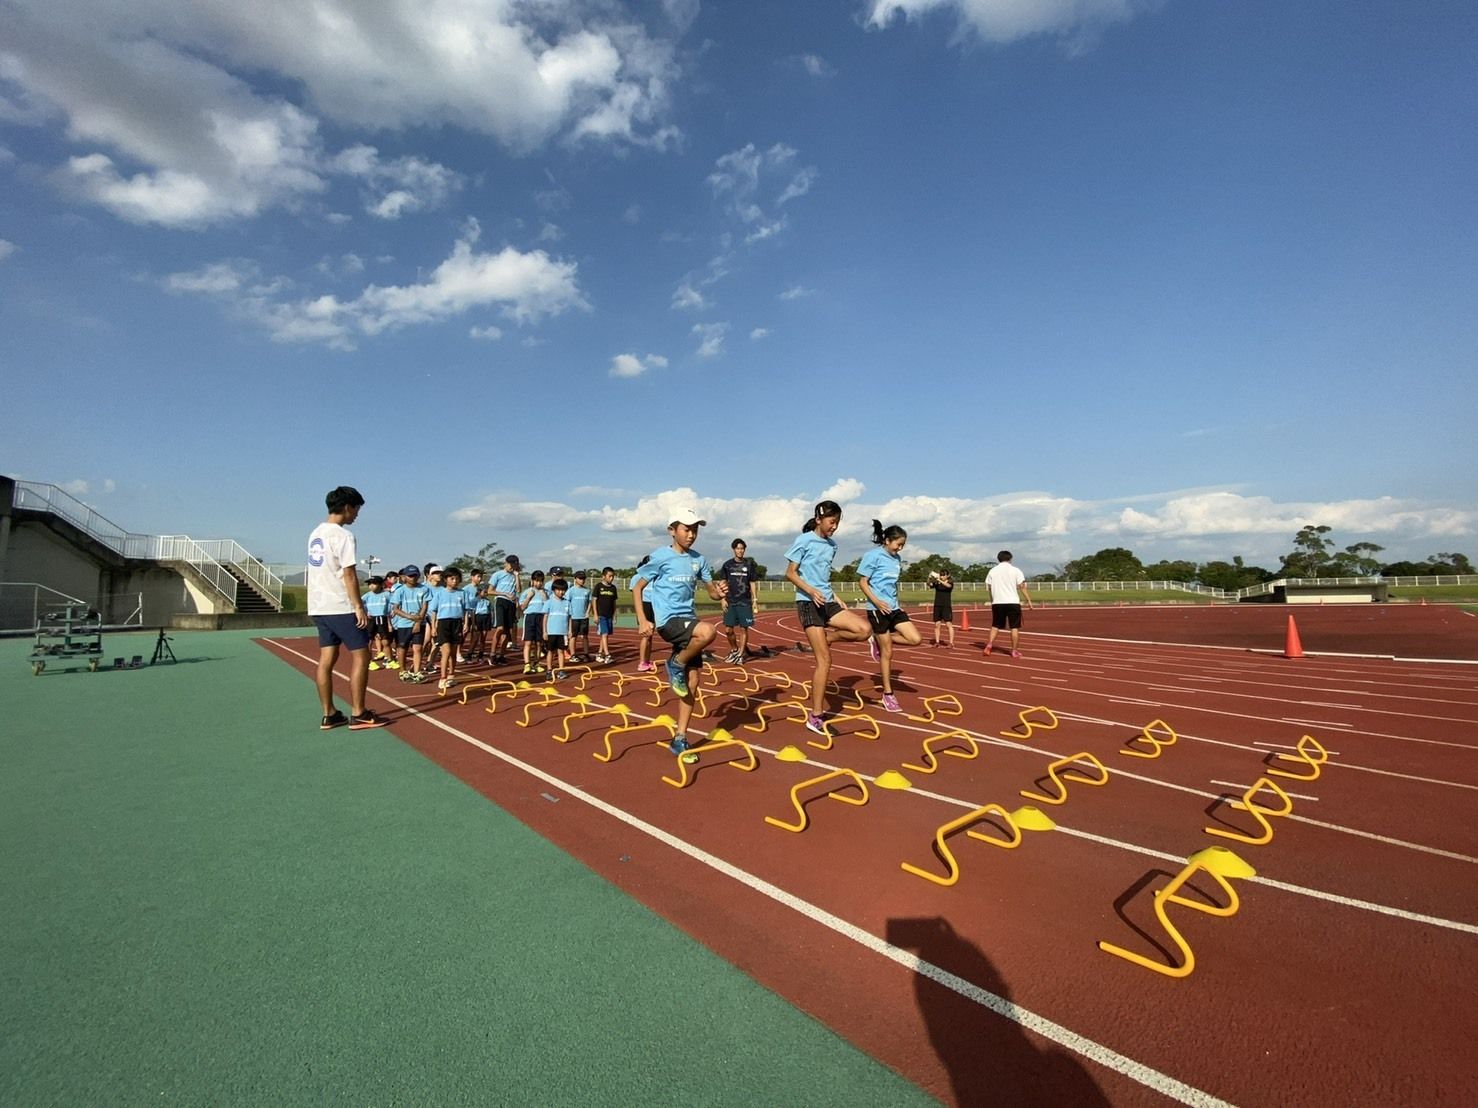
(687, 297)
(751, 181)
(486, 334)
(7, 248)
(844, 491)
(711, 338)
(1002, 21)
(632, 214)
(796, 292)
(165, 97)
(396, 186)
(509, 512)
(759, 333)
(817, 66)
(528, 286)
(629, 365)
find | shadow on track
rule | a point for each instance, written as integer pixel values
(990, 1059)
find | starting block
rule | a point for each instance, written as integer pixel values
(620, 710)
(666, 723)
(793, 711)
(1029, 819)
(844, 778)
(1067, 766)
(1152, 733)
(1259, 813)
(719, 740)
(867, 720)
(936, 742)
(945, 704)
(1029, 725)
(1314, 761)
(1216, 861)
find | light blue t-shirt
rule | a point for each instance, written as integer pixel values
(671, 578)
(505, 582)
(579, 598)
(447, 603)
(881, 571)
(534, 601)
(557, 615)
(408, 598)
(813, 556)
(469, 596)
(376, 604)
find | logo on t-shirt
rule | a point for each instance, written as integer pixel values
(315, 552)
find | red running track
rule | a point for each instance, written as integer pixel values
(1344, 978)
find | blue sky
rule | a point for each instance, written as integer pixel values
(1047, 274)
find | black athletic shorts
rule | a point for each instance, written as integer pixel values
(505, 614)
(1005, 616)
(678, 631)
(646, 607)
(449, 630)
(533, 627)
(555, 642)
(579, 627)
(380, 625)
(482, 621)
(814, 616)
(883, 622)
(404, 636)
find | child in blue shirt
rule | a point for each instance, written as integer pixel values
(503, 591)
(579, 618)
(449, 604)
(557, 627)
(878, 574)
(824, 618)
(671, 575)
(408, 606)
(377, 607)
(532, 603)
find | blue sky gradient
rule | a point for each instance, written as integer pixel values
(1056, 276)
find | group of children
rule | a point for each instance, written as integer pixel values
(420, 614)
(418, 618)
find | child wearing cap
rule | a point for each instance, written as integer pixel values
(503, 588)
(672, 573)
(449, 603)
(579, 597)
(408, 604)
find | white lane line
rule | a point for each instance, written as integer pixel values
(1287, 746)
(1242, 788)
(1318, 723)
(1094, 1051)
(1332, 898)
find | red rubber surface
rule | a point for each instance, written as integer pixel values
(1296, 999)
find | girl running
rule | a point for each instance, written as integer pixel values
(823, 617)
(878, 574)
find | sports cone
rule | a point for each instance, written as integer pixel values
(965, 625)
(1292, 648)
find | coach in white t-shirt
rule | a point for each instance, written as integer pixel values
(1007, 586)
(338, 611)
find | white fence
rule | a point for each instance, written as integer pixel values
(22, 604)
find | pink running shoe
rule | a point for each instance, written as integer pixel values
(890, 702)
(986, 650)
(645, 667)
(1016, 654)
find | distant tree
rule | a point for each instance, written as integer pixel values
(1046, 577)
(848, 572)
(1357, 560)
(489, 558)
(1310, 556)
(1451, 563)
(1113, 563)
(934, 563)
(976, 571)
(1436, 565)
(1171, 571)
(1232, 575)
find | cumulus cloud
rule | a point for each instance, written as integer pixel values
(528, 286)
(7, 248)
(485, 334)
(396, 186)
(629, 365)
(711, 338)
(509, 512)
(168, 98)
(688, 298)
(759, 333)
(1077, 22)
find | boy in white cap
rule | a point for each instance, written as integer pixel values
(672, 574)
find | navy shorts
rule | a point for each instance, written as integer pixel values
(739, 614)
(341, 630)
(404, 636)
(814, 616)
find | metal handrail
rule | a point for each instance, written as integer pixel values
(182, 548)
(233, 554)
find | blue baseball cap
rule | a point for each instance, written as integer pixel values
(411, 571)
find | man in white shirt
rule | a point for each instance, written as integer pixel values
(1004, 581)
(338, 611)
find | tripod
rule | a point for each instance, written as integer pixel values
(162, 650)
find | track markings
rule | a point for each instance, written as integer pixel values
(1243, 788)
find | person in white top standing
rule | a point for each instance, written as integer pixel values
(338, 611)
(1004, 581)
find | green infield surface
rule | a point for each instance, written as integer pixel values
(209, 901)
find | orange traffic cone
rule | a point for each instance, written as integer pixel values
(965, 624)
(1292, 648)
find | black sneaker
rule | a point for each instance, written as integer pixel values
(365, 720)
(338, 719)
